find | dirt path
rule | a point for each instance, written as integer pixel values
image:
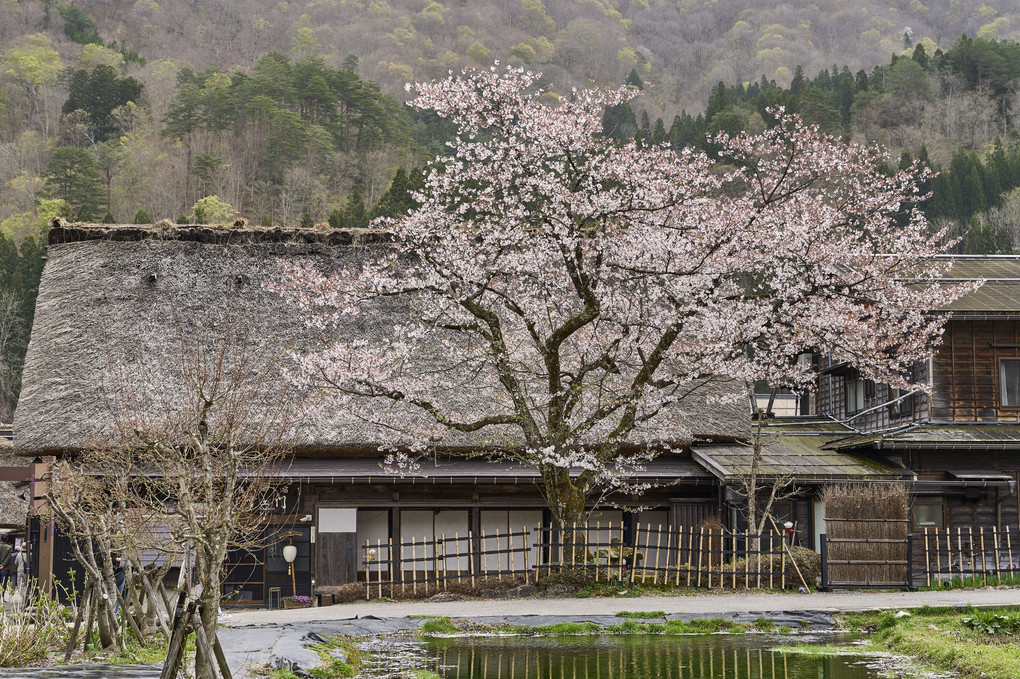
(699, 605)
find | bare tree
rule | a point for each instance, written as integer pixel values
(197, 453)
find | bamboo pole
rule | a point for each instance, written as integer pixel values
(995, 547)
(669, 552)
(701, 552)
(414, 565)
(710, 558)
(927, 558)
(973, 560)
(960, 552)
(619, 557)
(984, 564)
(598, 548)
(1009, 549)
(658, 543)
(949, 555)
(633, 553)
(510, 551)
(793, 561)
(446, 568)
(368, 572)
(527, 548)
(938, 557)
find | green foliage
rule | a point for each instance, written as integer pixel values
(764, 624)
(991, 622)
(336, 218)
(355, 215)
(71, 175)
(306, 221)
(98, 93)
(212, 210)
(78, 26)
(437, 626)
(141, 217)
(641, 614)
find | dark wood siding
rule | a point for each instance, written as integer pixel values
(336, 559)
(967, 371)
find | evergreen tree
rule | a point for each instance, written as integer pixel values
(336, 219)
(355, 215)
(141, 217)
(71, 175)
(306, 221)
(634, 80)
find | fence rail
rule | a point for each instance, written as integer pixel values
(607, 552)
(981, 554)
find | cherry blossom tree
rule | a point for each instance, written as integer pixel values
(568, 294)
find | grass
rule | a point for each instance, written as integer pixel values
(939, 637)
(643, 615)
(829, 649)
(972, 582)
(764, 624)
(437, 626)
(424, 674)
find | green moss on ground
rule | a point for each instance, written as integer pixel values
(940, 637)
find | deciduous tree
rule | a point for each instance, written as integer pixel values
(582, 289)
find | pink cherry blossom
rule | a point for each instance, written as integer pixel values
(580, 290)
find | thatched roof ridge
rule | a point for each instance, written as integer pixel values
(238, 233)
(113, 298)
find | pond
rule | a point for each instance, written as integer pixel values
(712, 656)
(83, 672)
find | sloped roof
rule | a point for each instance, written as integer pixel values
(1000, 294)
(794, 448)
(120, 295)
(13, 510)
(974, 436)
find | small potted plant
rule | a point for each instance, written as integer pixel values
(297, 601)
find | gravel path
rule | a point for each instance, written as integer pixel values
(696, 605)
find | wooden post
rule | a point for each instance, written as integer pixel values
(710, 558)
(995, 544)
(927, 558)
(619, 557)
(400, 548)
(669, 553)
(1009, 552)
(221, 659)
(786, 547)
(938, 558)
(510, 551)
(973, 560)
(701, 551)
(984, 564)
(446, 568)
(471, 557)
(959, 551)
(658, 542)
(633, 552)
(782, 564)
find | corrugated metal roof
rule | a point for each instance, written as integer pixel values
(1000, 293)
(937, 436)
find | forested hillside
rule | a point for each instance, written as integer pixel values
(292, 113)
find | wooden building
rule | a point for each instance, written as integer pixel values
(113, 304)
(961, 443)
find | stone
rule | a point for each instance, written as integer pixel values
(560, 590)
(443, 597)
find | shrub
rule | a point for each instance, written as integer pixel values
(435, 626)
(30, 628)
(808, 561)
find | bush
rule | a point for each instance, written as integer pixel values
(30, 628)
(808, 561)
(578, 578)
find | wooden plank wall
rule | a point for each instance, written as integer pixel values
(882, 418)
(967, 371)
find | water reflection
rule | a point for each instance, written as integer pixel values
(636, 657)
(83, 672)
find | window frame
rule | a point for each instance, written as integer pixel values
(1002, 382)
(930, 502)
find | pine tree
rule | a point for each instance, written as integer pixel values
(306, 221)
(141, 217)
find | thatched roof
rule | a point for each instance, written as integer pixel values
(13, 510)
(112, 302)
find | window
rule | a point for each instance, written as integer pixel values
(929, 514)
(902, 408)
(1009, 382)
(857, 392)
